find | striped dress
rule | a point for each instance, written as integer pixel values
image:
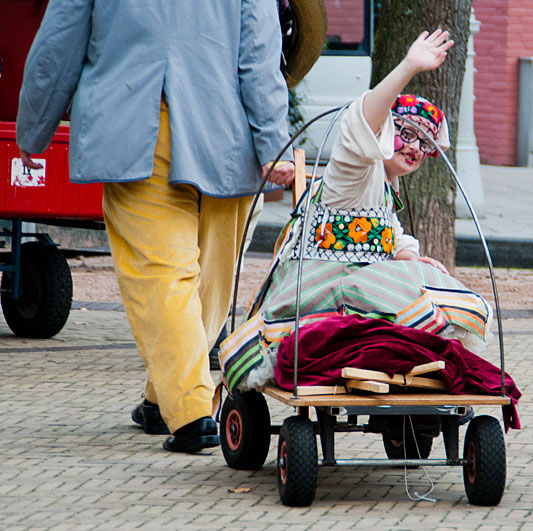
(405, 292)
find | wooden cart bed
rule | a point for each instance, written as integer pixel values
(400, 399)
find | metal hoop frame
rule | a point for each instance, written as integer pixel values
(339, 111)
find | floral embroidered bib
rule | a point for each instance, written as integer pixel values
(355, 236)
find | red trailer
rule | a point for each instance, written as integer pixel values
(36, 288)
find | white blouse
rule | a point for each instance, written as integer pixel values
(355, 175)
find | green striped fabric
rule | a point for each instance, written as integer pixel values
(412, 293)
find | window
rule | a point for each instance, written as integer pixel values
(350, 27)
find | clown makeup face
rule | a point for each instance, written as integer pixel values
(410, 149)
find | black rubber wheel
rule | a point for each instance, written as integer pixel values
(245, 430)
(297, 462)
(46, 292)
(396, 449)
(485, 478)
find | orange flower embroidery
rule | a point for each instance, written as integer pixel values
(359, 229)
(326, 240)
(386, 240)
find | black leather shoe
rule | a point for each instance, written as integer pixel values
(148, 416)
(193, 437)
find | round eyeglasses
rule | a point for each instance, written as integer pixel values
(409, 135)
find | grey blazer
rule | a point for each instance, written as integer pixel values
(215, 61)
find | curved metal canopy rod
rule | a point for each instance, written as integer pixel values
(305, 223)
(339, 111)
(254, 203)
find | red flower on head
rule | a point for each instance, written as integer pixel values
(408, 100)
(435, 113)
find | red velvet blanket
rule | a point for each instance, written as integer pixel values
(327, 346)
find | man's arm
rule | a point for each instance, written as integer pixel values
(263, 89)
(52, 71)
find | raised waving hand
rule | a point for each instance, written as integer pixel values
(429, 51)
(426, 53)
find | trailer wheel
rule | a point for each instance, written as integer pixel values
(485, 477)
(44, 305)
(245, 430)
(408, 449)
(297, 462)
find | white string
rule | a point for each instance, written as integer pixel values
(415, 496)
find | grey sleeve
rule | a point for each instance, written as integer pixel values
(52, 71)
(263, 90)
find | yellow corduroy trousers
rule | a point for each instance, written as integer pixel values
(174, 251)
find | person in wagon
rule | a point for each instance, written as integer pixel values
(358, 258)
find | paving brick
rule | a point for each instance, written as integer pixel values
(71, 458)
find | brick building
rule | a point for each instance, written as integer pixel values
(505, 36)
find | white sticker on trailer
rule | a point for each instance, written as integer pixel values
(23, 176)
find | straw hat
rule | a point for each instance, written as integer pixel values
(302, 48)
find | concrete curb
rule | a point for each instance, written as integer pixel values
(504, 252)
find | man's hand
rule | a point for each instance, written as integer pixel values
(28, 161)
(282, 174)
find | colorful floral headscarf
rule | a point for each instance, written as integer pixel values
(420, 110)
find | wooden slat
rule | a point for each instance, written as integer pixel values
(299, 184)
(398, 379)
(367, 385)
(427, 367)
(390, 399)
(313, 390)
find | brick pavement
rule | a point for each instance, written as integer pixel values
(71, 458)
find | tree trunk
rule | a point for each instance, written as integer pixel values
(431, 190)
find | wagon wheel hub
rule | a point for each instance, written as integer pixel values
(31, 292)
(283, 463)
(234, 430)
